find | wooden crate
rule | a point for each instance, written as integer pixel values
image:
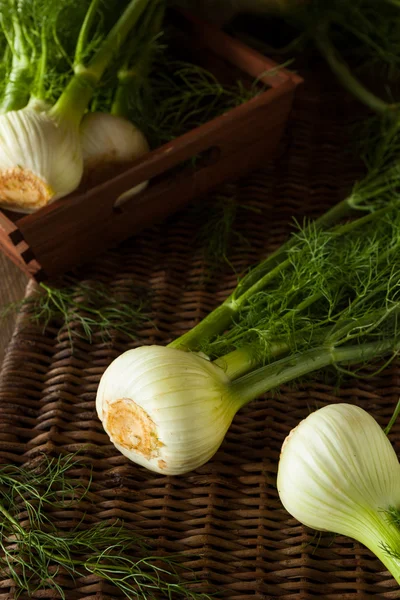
(74, 229)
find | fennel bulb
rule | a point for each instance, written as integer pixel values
(169, 410)
(338, 472)
(107, 138)
(40, 157)
(110, 139)
(165, 409)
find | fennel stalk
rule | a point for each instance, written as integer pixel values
(367, 196)
(365, 31)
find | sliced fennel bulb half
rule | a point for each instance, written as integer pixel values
(338, 472)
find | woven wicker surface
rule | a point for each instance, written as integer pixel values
(226, 517)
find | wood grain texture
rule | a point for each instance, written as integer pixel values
(12, 289)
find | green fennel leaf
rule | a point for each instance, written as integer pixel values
(38, 552)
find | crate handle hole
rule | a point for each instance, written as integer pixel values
(203, 159)
(128, 195)
(208, 157)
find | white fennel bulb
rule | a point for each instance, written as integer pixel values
(109, 139)
(165, 409)
(338, 472)
(40, 157)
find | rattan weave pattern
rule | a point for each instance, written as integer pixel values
(225, 517)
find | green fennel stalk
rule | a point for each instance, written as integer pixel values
(332, 286)
(74, 100)
(15, 93)
(345, 75)
(287, 369)
(311, 297)
(367, 195)
(133, 93)
(365, 31)
(372, 31)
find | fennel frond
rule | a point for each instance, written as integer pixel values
(40, 552)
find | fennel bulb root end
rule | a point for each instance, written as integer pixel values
(130, 427)
(40, 158)
(23, 191)
(165, 409)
